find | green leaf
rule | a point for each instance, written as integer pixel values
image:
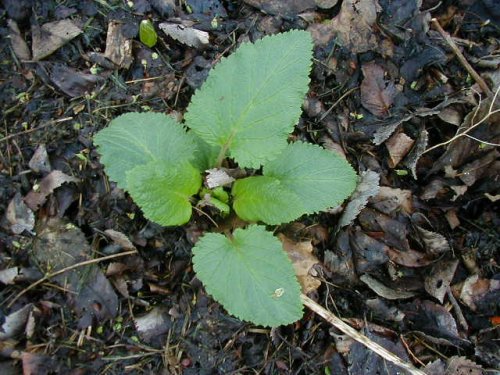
(136, 139)
(162, 191)
(320, 178)
(250, 275)
(251, 100)
(262, 198)
(147, 33)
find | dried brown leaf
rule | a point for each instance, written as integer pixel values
(17, 42)
(354, 25)
(390, 200)
(377, 95)
(303, 260)
(439, 278)
(19, 216)
(39, 162)
(398, 146)
(49, 183)
(385, 291)
(51, 36)
(475, 289)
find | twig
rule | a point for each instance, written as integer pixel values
(46, 125)
(66, 269)
(351, 332)
(473, 126)
(448, 39)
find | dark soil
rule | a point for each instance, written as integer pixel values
(385, 87)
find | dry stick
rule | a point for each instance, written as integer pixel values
(351, 332)
(66, 269)
(461, 57)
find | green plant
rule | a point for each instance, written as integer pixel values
(243, 115)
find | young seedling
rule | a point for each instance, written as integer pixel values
(244, 113)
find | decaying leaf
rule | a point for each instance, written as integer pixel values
(454, 366)
(416, 152)
(368, 253)
(354, 25)
(15, 323)
(40, 162)
(120, 239)
(303, 260)
(398, 146)
(434, 321)
(282, 7)
(394, 232)
(409, 258)
(153, 325)
(385, 291)
(439, 278)
(38, 196)
(60, 244)
(73, 82)
(390, 200)
(186, 35)
(17, 42)
(51, 36)
(377, 95)
(8, 275)
(19, 215)
(474, 170)
(367, 187)
(118, 46)
(435, 243)
(475, 289)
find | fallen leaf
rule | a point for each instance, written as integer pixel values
(38, 364)
(51, 36)
(394, 233)
(384, 291)
(118, 46)
(398, 146)
(452, 218)
(367, 187)
(438, 281)
(354, 25)
(285, 8)
(19, 216)
(15, 323)
(340, 261)
(120, 239)
(39, 162)
(8, 276)
(363, 361)
(153, 325)
(462, 366)
(390, 200)
(416, 152)
(377, 95)
(368, 253)
(435, 243)
(475, 290)
(384, 311)
(474, 170)
(73, 82)
(60, 244)
(17, 42)
(38, 196)
(303, 260)
(409, 258)
(186, 35)
(458, 151)
(434, 321)
(451, 116)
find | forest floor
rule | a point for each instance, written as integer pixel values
(411, 260)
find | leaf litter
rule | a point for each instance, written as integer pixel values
(433, 236)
